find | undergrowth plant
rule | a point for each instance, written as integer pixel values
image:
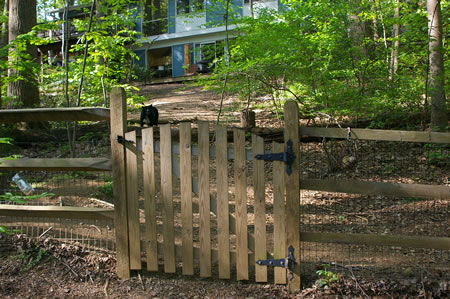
(327, 277)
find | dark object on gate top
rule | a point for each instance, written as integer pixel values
(149, 116)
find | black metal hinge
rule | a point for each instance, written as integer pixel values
(122, 140)
(287, 157)
(289, 262)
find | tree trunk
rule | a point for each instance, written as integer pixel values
(439, 117)
(22, 18)
(3, 42)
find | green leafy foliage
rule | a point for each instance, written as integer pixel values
(33, 256)
(22, 199)
(106, 190)
(437, 154)
(332, 57)
(109, 58)
(327, 277)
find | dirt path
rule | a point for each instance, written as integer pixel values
(178, 101)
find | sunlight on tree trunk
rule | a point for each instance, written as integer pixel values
(396, 42)
(3, 41)
(439, 118)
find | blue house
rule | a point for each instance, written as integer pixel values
(182, 36)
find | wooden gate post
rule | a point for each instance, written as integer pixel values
(291, 131)
(118, 120)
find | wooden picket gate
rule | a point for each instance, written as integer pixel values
(128, 151)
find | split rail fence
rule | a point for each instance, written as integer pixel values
(199, 233)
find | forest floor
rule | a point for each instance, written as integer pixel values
(51, 269)
(46, 268)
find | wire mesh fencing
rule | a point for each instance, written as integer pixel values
(378, 161)
(61, 189)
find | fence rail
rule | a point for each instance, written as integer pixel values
(54, 114)
(57, 164)
(56, 212)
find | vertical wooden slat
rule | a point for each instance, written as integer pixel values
(259, 209)
(279, 229)
(293, 190)
(118, 125)
(203, 186)
(167, 199)
(186, 198)
(148, 165)
(133, 202)
(222, 203)
(240, 182)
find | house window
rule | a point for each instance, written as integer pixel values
(188, 6)
(209, 51)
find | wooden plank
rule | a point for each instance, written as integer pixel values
(56, 164)
(279, 212)
(148, 165)
(133, 202)
(118, 161)
(54, 114)
(223, 223)
(291, 127)
(438, 243)
(204, 204)
(56, 212)
(186, 198)
(378, 188)
(259, 208)
(167, 199)
(240, 182)
(382, 135)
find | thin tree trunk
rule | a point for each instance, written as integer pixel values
(396, 44)
(227, 57)
(65, 55)
(86, 47)
(439, 117)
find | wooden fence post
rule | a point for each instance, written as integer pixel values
(291, 130)
(118, 121)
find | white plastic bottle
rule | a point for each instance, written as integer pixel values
(23, 186)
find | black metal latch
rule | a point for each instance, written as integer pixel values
(122, 140)
(289, 262)
(287, 157)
